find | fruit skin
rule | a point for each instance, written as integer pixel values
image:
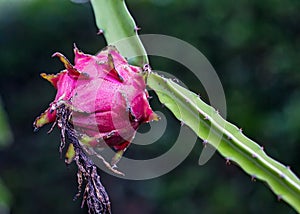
(107, 97)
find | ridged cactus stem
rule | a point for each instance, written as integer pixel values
(206, 122)
(115, 23)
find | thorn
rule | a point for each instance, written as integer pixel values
(228, 137)
(281, 175)
(176, 80)
(240, 130)
(262, 148)
(147, 68)
(199, 96)
(204, 142)
(253, 178)
(35, 129)
(182, 123)
(254, 155)
(228, 161)
(288, 167)
(205, 117)
(217, 111)
(279, 197)
(136, 28)
(100, 32)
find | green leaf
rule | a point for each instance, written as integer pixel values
(228, 139)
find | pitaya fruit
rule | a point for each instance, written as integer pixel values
(106, 96)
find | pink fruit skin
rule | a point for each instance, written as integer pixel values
(107, 96)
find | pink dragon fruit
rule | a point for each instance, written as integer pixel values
(107, 97)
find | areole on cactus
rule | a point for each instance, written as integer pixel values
(107, 98)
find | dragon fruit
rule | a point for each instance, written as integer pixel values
(106, 96)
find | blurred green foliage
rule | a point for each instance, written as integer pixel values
(5, 133)
(5, 140)
(5, 199)
(254, 47)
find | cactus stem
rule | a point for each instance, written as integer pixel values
(243, 151)
(114, 18)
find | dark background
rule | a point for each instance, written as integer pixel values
(253, 45)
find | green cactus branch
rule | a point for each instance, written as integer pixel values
(116, 22)
(205, 121)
